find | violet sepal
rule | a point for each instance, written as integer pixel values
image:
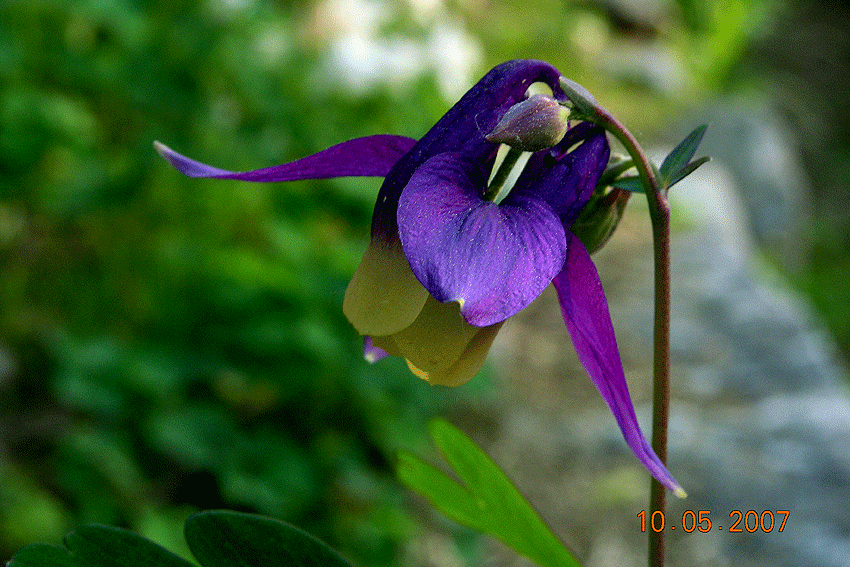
(371, 156)
(492, 259)
(585, 311)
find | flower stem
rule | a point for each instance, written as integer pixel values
(659, 212)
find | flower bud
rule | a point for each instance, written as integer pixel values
(536, 123)
(600, 217)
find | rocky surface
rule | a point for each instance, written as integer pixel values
(760, 413)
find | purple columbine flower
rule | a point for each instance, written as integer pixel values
(451, 258)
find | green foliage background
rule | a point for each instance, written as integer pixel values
(179, 345)
(169, 345)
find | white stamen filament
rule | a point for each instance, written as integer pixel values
(498, 193)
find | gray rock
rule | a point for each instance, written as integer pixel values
(758, 150)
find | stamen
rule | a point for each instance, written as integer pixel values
(506, 170)
(497, 164)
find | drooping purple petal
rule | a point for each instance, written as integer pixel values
(462, 129)
(585, 311)
(372, 156)
(566, 180)
(493, 259)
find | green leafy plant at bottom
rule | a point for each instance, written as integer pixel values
(216, 539)
(484, 499)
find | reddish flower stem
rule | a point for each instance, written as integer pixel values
(659, 212)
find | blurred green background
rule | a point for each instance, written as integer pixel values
(169, 345)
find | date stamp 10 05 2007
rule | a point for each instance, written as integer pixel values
(700, 521)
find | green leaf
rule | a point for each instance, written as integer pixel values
(632, 184)
(687, 170)
(233, 539)
(678, 159)
(98, 546)
(675, 167)
(43, 555)
(217, 539)
(484, 499)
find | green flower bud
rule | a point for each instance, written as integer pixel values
(600, 217)
(536, 123)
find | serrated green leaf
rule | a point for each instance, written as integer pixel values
(680, 156)
(484, 499)
(98, 546)
(632, 184)
(233, 539)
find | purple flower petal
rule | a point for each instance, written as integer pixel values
(462, 129)
(585, 311)
(566, 180)
(492, 259)
(368, 306)
(372, 156)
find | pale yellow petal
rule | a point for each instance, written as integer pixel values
(388, 344)
(468, 365)
(438, 337)
(384, 296)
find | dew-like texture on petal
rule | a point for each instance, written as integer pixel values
(372, 156)
(492, 259)
(383, 296)
(585, 311)
(436, 340)
(469, 363)
(566, 180)
(462, 129)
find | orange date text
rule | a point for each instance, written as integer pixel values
(701, 521)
